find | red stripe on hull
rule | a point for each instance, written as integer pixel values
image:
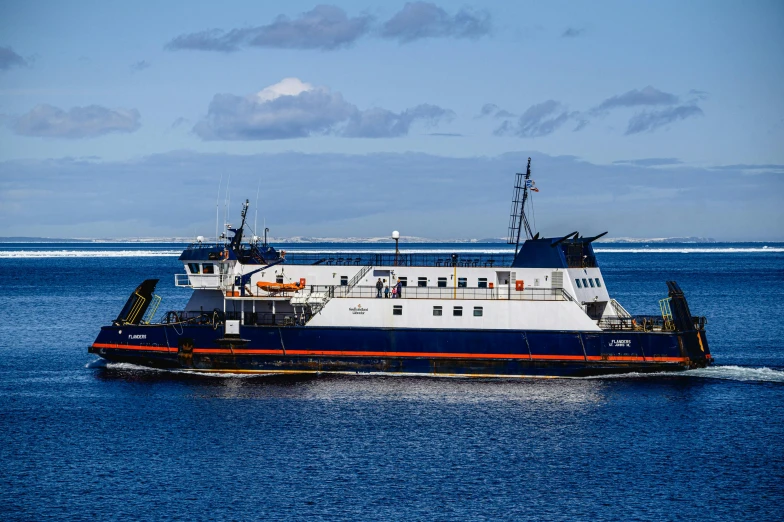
(433, 355)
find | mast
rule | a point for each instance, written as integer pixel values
(523, 216)
(517, 217)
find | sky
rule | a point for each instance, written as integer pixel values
(647, 119)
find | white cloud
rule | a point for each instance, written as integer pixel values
(285, 87)
(292, 108)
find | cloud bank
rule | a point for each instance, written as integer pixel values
(328, 27)
(659, 110)
(295, 109)
(418, 194)
(78, 122)
(324, 27)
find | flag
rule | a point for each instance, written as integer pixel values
(531, 185)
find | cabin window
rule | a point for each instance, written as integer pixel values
(482, 282)
(457, 311)
(438, 311)
(578, 283)
(343, 280)
(598, 283)
(591, 281)
(422, 281)
(585, 283)
(193, 267)
(462, 282)
(397, 310)
(208, 268)
(442, 282)
(477, 311)
(403, 281)
(279, 278)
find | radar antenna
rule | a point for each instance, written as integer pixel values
(517, 217)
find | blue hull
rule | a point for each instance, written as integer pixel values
(497, 353)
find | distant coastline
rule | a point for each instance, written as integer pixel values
(363, 240)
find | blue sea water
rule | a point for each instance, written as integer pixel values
(83, 440)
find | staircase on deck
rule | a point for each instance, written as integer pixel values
(318, 300)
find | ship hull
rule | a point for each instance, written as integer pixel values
(474, 353)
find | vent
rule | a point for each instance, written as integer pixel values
(557, 279)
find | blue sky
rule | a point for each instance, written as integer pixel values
(653, 118)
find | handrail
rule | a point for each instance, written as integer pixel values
(431, 292)
(645, 323)
(359, 275)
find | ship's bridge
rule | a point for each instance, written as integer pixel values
(204, 266)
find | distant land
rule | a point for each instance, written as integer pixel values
(368, 240)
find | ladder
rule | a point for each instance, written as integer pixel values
(150, 313)
(318, 302)
(666, 311)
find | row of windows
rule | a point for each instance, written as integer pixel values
(587, 281)
(462, 282)
(438, 311)
(206, 268)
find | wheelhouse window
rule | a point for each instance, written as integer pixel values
(578, 283)
(457, 311)
(482, 282)
(343, 280)
(442, 282)
(462, 282)
(193, 267)
(207, 268)
(397, 310)
(585, 283)
(478, 312)
(598, 283)
(403, 281)
(422, 281)
(591, 281)
(438, 311)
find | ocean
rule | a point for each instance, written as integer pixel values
(83, 440)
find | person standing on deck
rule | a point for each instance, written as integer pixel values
(399, 287)
(379, 287)
(386, 291)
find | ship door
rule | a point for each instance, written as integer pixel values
(502, 283)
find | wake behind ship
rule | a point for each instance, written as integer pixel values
(543, 311)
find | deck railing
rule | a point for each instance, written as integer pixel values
(645, 323)
(432, 292)
(388, 260)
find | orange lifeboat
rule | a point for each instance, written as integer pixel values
(279, 287)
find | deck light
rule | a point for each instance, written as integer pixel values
(396, 237)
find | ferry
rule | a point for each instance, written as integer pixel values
(542, 311)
